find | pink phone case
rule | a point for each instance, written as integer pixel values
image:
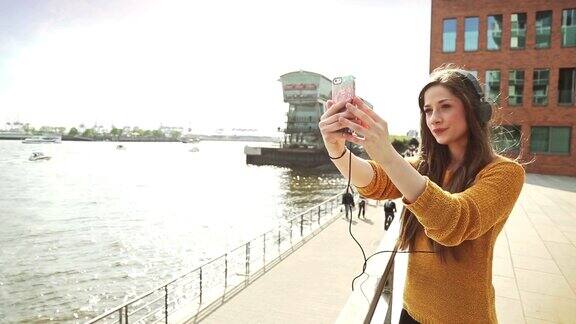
(343, 88)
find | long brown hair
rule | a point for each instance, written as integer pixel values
(435, 157)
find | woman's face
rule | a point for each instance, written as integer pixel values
(445, 116)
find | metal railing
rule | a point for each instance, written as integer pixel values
(193, 295)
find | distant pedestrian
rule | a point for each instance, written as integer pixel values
(362, 208)
(348, 202)
(389, 210)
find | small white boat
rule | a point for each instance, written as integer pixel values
(194, 149)
(38, 156)
(43, 139)
(120, 147)
(189, 139)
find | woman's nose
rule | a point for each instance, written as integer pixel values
(435, 117)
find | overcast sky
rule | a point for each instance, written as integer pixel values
(203, 64)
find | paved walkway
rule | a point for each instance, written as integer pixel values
(311, 285)
(534, 272)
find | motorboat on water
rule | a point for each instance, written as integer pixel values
(38, 156)
(188, 139)
(194, 149)
(43, 139)
(120, 147)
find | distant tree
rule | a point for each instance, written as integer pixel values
(88, 133)
(73, 132)
(116, 132)
(157, 133)
(413, 141)
(400, 145)
(175, 134)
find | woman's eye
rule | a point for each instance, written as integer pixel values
(427, 111)
(446, 106)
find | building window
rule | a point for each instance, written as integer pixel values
(540, 87)
(569, 27)
(518, 31)
(449, 36)
(550, 140)
(494, 33)
(471, 34)
(567, 86)
(515, 87)
(543, 28)
(506, 138)
(492, 85)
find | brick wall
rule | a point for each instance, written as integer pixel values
(505, 59)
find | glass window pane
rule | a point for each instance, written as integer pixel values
(559, 139)
(518, 30)
(567, 86)
(569, 27)
(515, 87)
(471, 33)
(539, 139)
(540, 87)
(543, 27)
(449, 36)
(492, 85)
(494, 32)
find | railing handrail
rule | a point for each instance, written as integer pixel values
(153, 290)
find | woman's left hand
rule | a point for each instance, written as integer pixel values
(372, 128)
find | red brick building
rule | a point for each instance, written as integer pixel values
(525, 54)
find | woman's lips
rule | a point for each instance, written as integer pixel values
(439, 130)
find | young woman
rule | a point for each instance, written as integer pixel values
(457, 191)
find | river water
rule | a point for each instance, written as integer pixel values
(95, 226)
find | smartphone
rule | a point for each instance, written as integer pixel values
(343, 89)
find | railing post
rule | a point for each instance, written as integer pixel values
(279, 241)
(291, 225)
(388, 294)
(247, 260)
(166, 304)
(126, 314)
(200, 286)
(120, 316)
(319, 210)
(301, 225)
(225, 272)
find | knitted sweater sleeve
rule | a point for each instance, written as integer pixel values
(451, 218)
(381, 187)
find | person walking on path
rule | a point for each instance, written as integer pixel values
(362, 208)
(457, 191)
(389, 210)
(348, 202)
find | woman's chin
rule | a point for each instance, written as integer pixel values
(441, 140)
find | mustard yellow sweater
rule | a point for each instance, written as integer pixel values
(455, 291)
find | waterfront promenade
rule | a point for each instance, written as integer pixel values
(534, 271)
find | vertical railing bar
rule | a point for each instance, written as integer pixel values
(166, 304)
(120, 316)
(126, 314)
(225, 272)
(200, 283)
(247, 260)
(291, 225)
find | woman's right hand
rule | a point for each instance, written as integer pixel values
(331, 129)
